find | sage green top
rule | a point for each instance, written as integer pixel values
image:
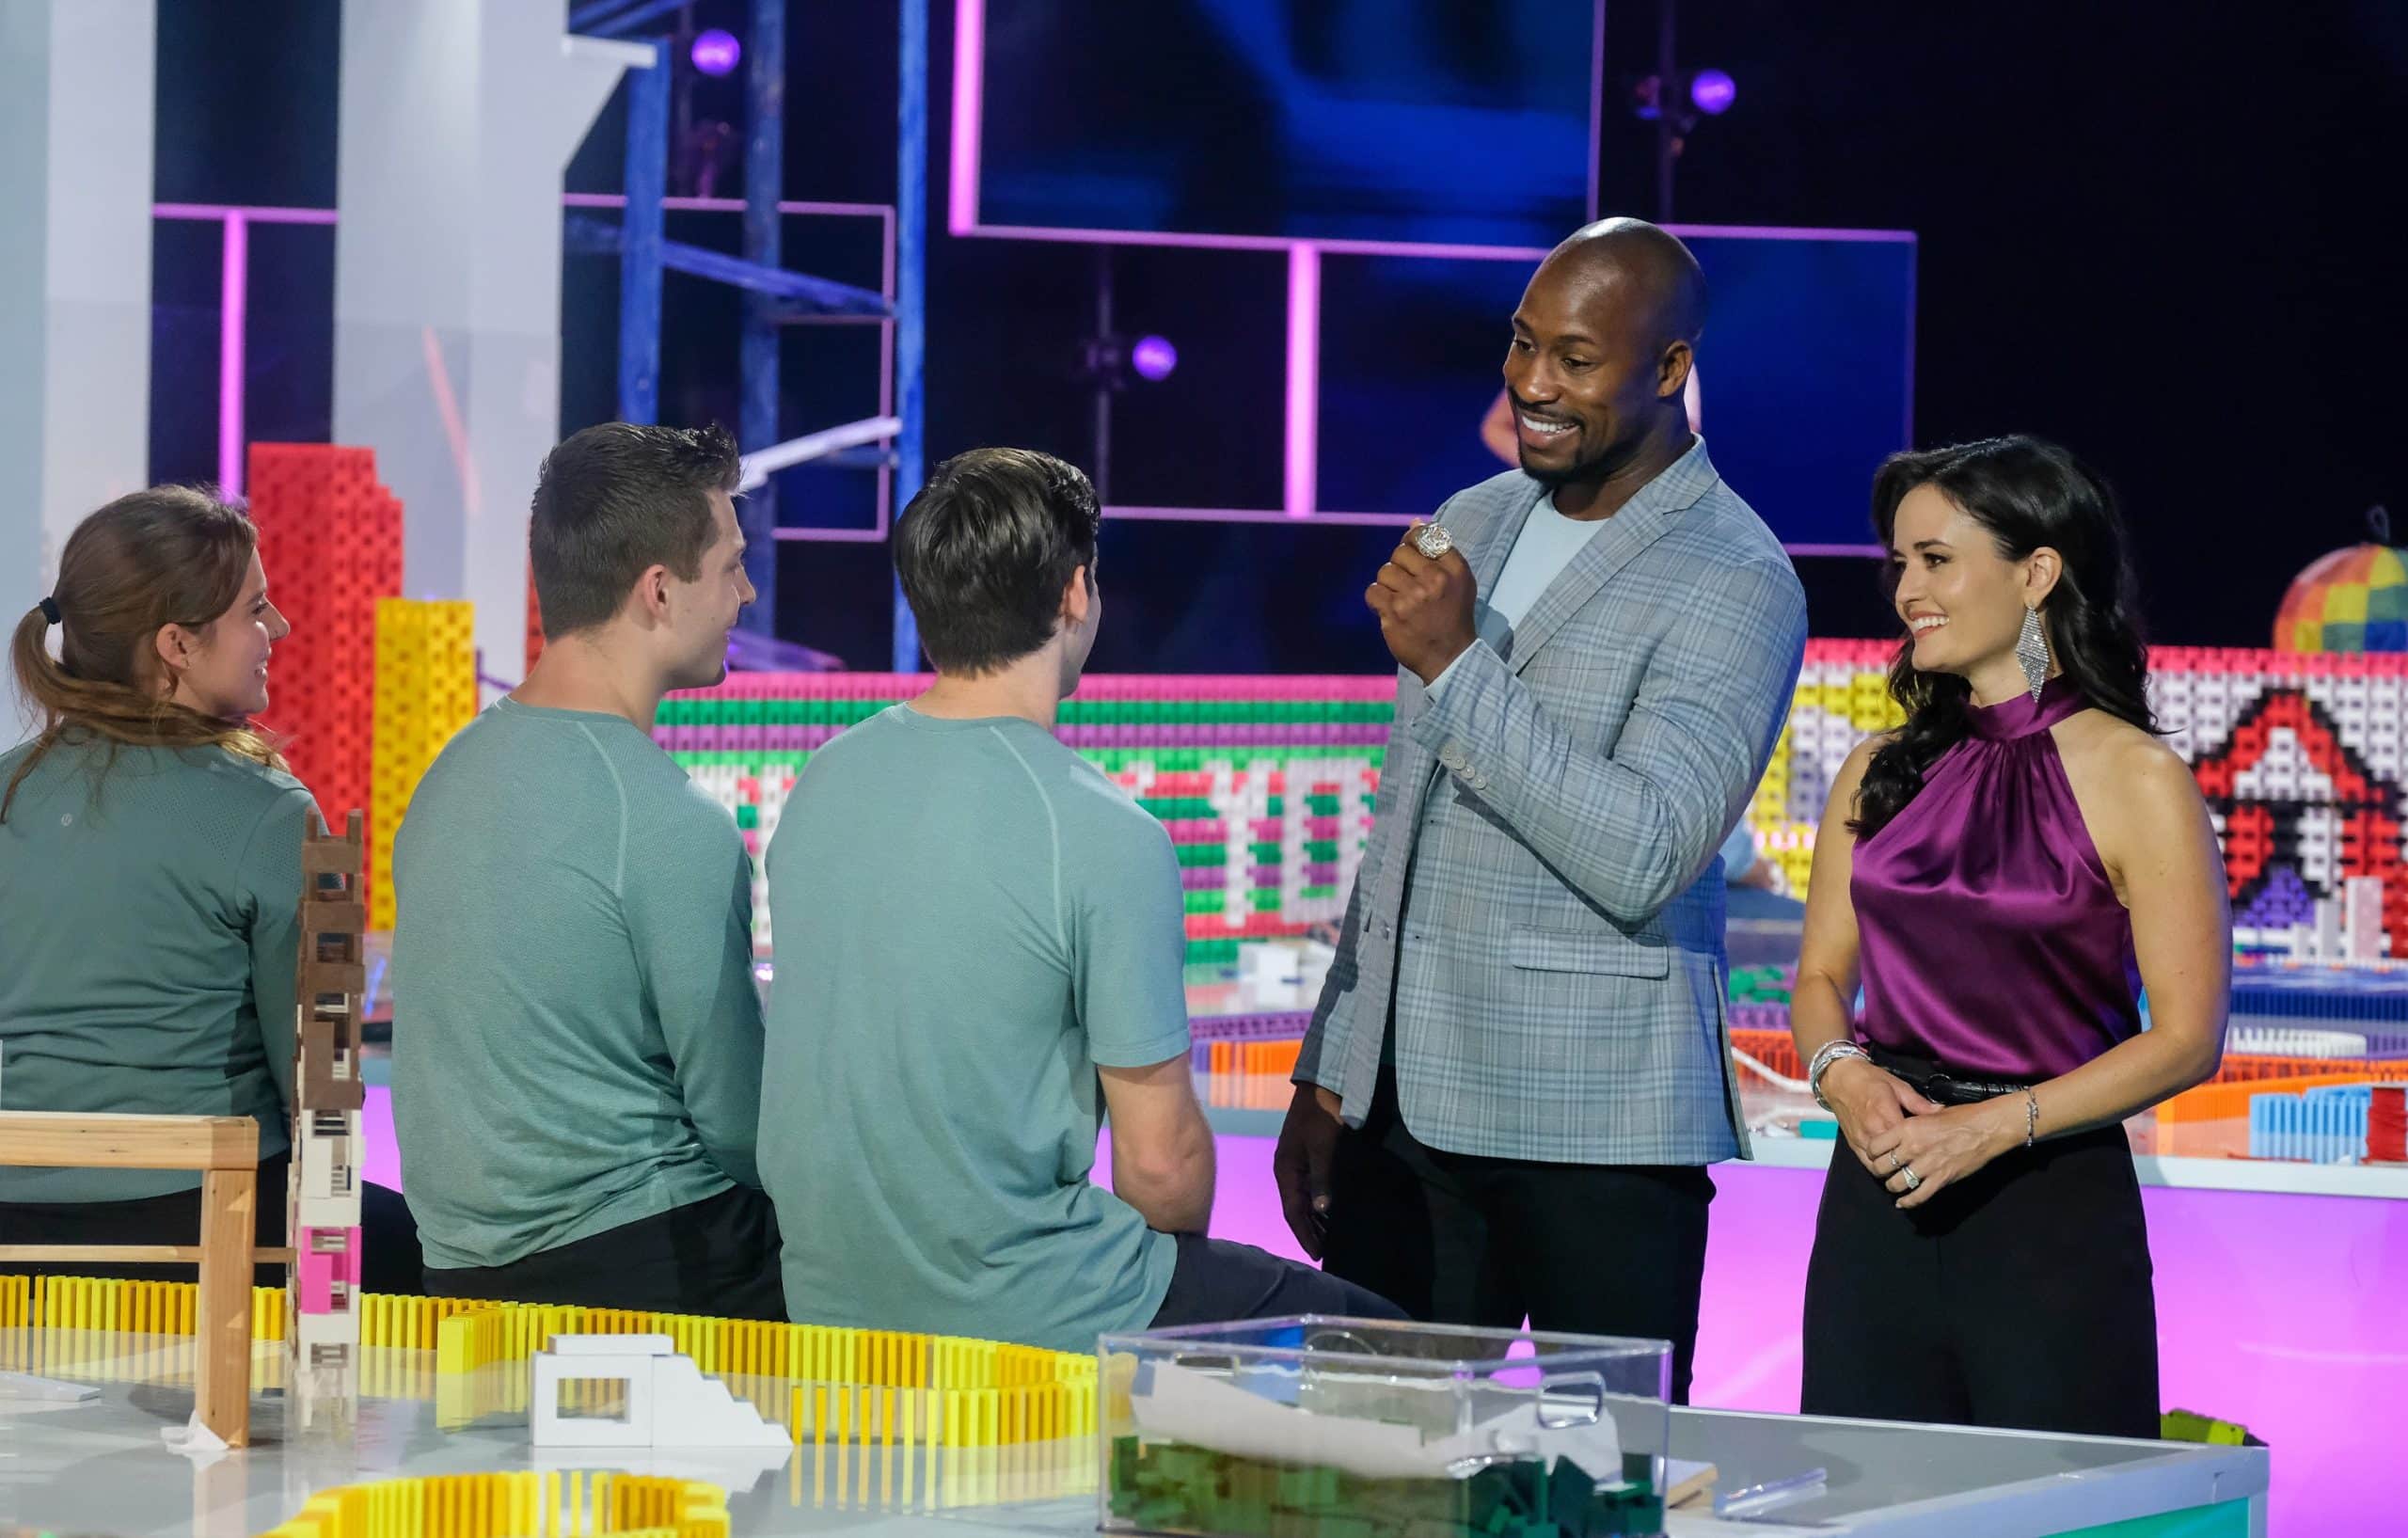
(971, 921)
(577, 1033)
(149, 912)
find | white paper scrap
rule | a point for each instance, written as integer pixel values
(1206, 1411)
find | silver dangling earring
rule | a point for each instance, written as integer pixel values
(2032, 653)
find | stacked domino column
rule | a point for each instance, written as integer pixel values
(322, 1365)
(330, 540)
(426, 691)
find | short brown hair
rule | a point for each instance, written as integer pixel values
(984, 550)
(614, 500)
(171, 555)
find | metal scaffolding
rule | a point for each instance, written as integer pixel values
(774, 296)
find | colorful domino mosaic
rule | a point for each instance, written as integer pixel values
(2300, 757)
(1265, 785)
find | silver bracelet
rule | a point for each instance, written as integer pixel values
(1831, 1053)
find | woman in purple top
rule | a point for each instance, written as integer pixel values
(2001, 873)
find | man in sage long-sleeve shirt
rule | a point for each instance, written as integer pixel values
(576, 1041)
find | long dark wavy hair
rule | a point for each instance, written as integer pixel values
(2028, 494)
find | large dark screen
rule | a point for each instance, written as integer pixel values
(1426, 120)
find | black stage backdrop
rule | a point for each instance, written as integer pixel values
(2152, 231)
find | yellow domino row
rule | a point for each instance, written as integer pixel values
(834, 1385)
(848, 1385)
(170, 1308)
(847, 1415)
(131, 1307)
(867, 1475)
(806, 1353)
(577, 1504)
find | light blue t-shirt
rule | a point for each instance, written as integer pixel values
(971, 919)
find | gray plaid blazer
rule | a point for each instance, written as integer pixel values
(1559, 981)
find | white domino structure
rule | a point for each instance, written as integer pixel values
(666, 1401)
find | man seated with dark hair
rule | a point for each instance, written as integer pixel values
(577, 1038)
(974, 928)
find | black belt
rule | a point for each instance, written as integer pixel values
(1935, 1082)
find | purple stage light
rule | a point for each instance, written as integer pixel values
(1712, 91)
(1153, 357)
(716, 51)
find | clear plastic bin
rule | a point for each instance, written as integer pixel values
(1317, 1427)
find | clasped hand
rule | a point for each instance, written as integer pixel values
(1891, 1131)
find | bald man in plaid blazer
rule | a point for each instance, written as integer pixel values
(1520, 1064)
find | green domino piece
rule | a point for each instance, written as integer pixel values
(1569, 1492)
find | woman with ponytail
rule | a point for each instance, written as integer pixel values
(151, 875)
(2001, 874)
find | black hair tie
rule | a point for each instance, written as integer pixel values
(50, 609)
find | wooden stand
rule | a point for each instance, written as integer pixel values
(226, 1149)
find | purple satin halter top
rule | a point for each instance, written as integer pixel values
(1990, 935)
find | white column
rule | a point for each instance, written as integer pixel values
(75, 138)
(458, 118)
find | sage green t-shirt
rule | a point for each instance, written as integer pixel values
(577, 1033)
(149, 915)
(970, 919)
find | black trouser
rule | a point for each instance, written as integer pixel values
(1216, 1280)
(717, 1257)
(1456, 1239)
(389, 1236)
(2020, 1298)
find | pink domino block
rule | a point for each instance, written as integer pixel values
(320, 1269)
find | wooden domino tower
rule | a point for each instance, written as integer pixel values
(321, 1346)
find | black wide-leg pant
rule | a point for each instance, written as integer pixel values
(2021, 1299)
